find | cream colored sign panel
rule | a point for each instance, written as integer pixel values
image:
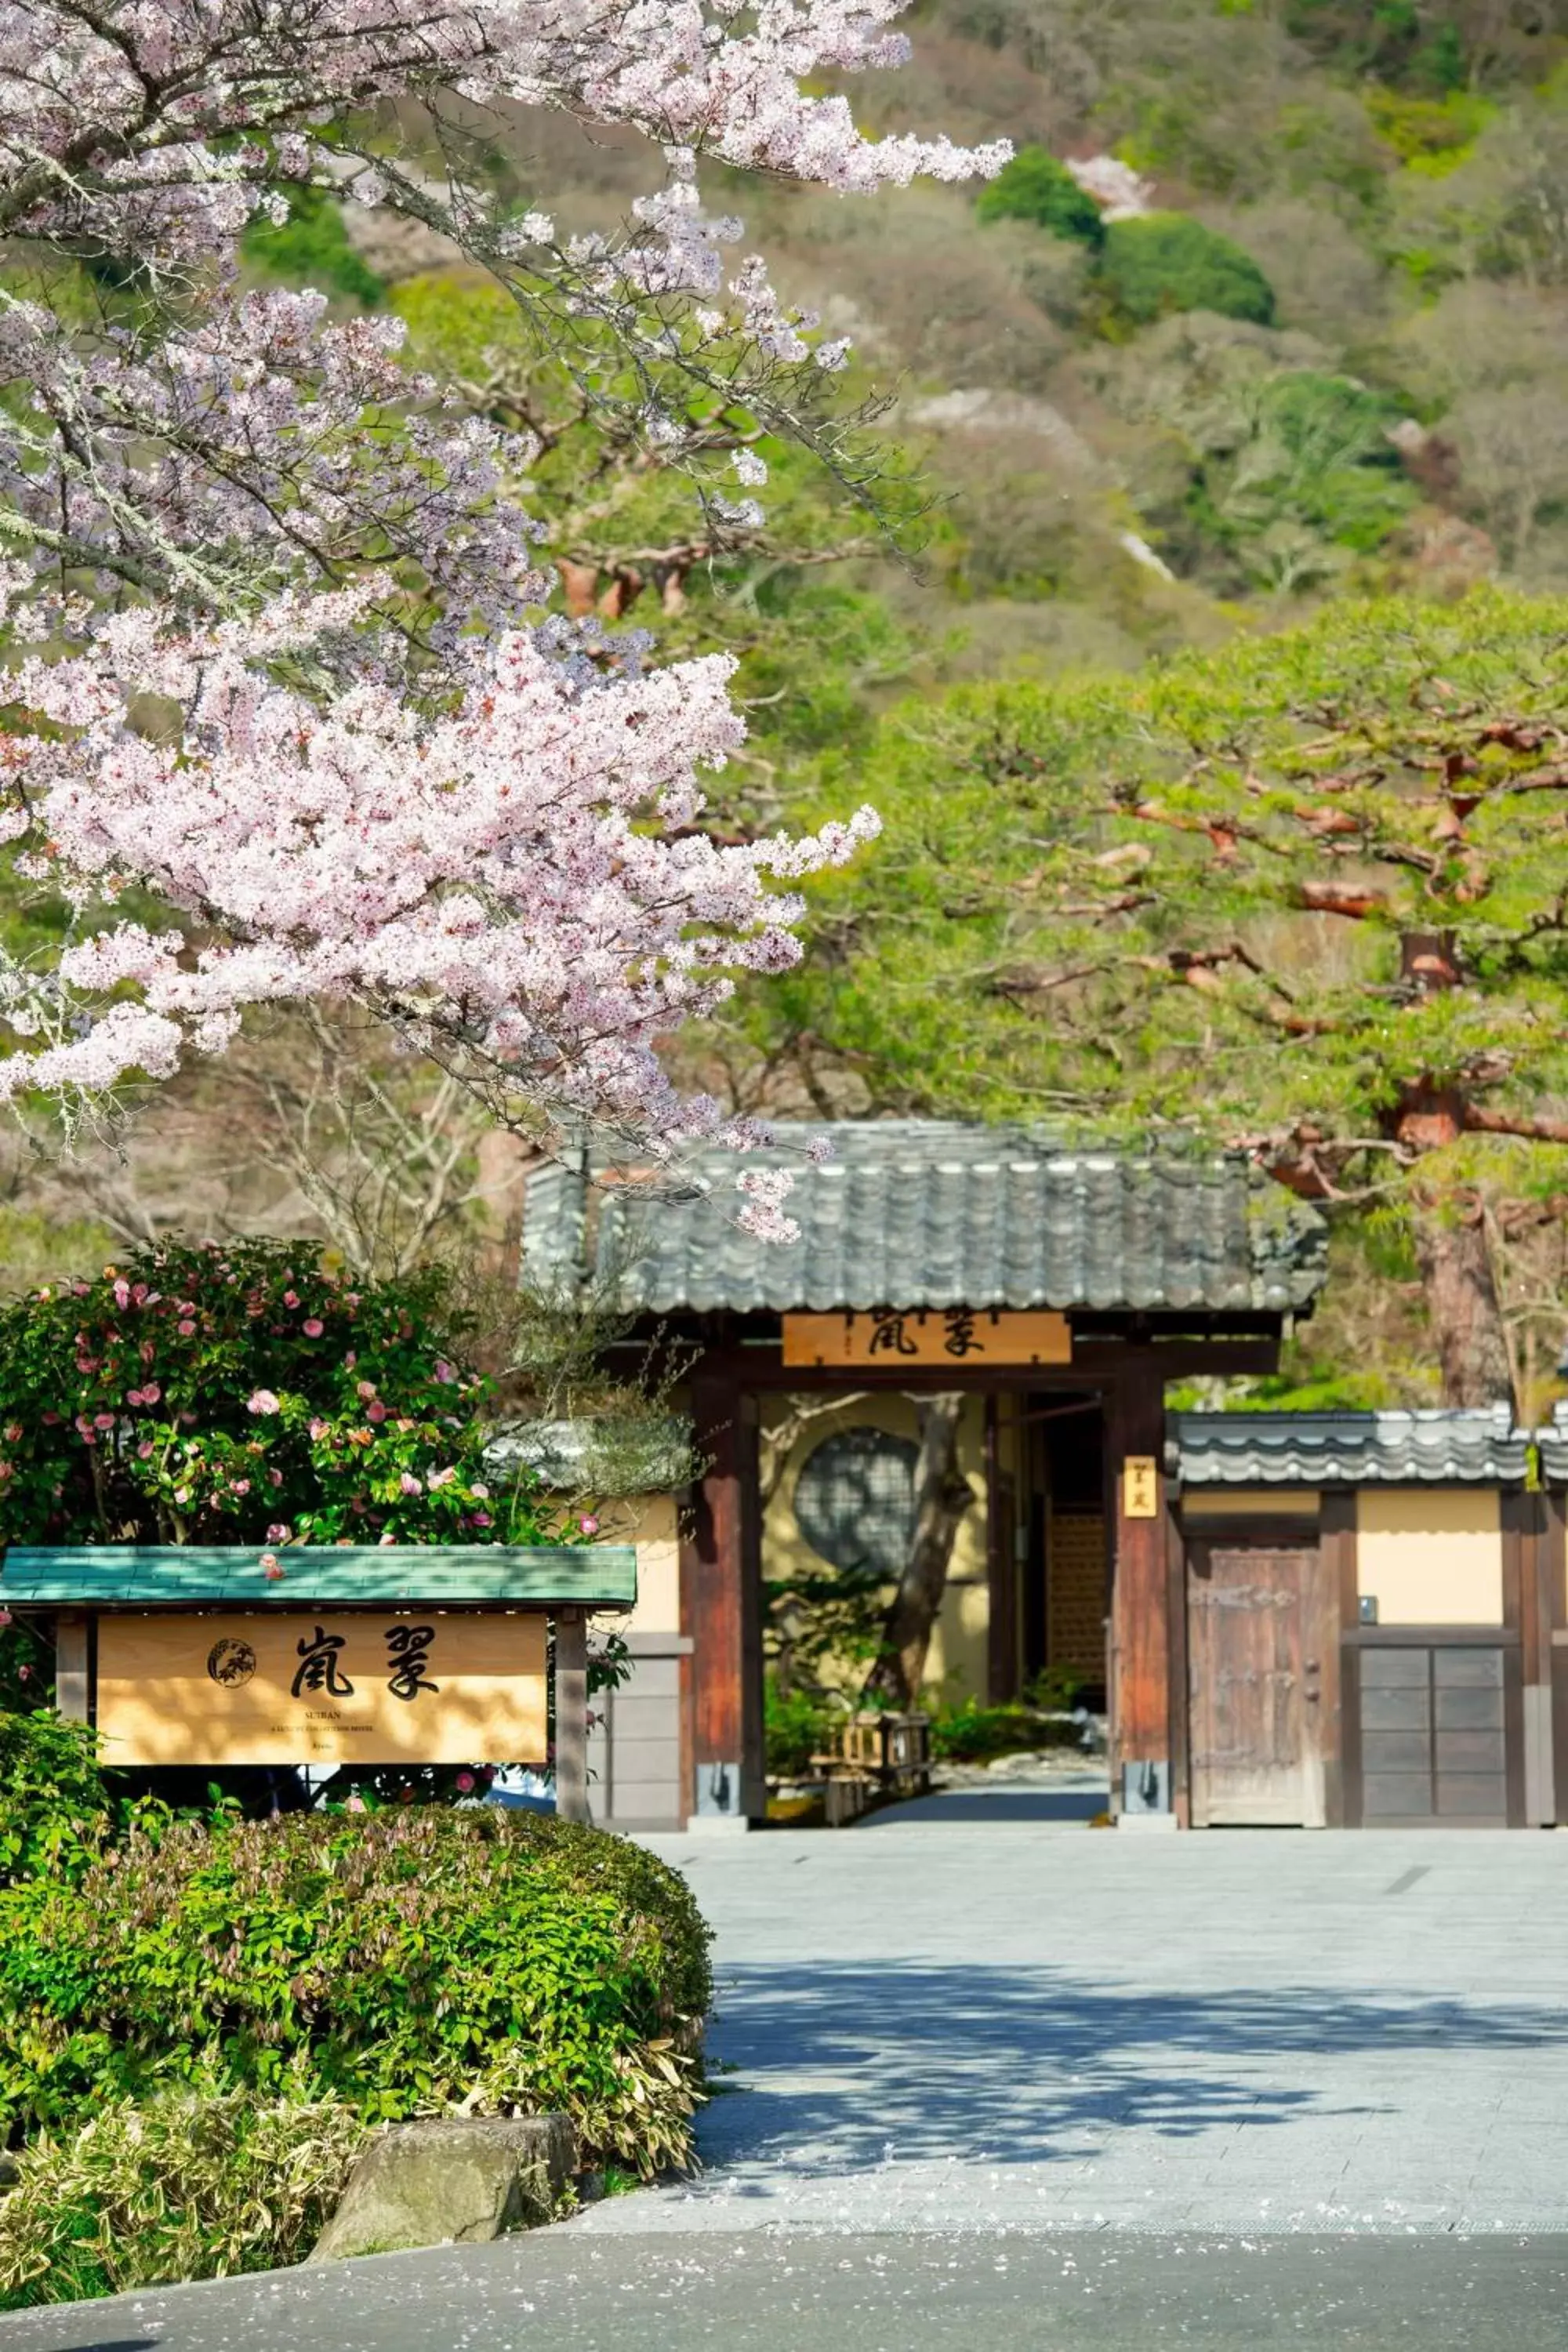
(323, 1686)
(927, 1335)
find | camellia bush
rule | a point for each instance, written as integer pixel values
(246, 1394)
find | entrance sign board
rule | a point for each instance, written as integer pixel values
(339, 1654)
(322, 1686)
(982, 1336)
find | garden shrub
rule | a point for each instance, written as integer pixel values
(55, 1803)
(1164, 262)
(401, 1962)
(1036, 187)
(246, 1394)
(184, 2188)
(973, 1734)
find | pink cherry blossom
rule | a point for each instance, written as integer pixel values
(499, 853)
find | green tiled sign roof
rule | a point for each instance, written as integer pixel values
(916, 1212)
(590, 1576)
(1348, 1449)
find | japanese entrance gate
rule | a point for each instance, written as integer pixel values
(936, 1258)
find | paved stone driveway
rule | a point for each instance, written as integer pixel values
(978, 2015)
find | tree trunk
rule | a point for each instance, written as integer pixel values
(1451, 1249)
(1462, 1301)
(943, 1497)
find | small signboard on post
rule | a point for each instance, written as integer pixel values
(325, 1655)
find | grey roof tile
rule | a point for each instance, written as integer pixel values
(1349, 1449)
(1553, 1443)
(914, 1212)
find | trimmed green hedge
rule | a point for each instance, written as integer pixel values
(400, 1962)
(1168, 262)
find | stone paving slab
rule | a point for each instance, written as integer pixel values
(1010, 2023)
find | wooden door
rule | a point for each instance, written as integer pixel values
(1440, 1733)
(1254, 1690)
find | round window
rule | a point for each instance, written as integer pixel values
(855, 1499)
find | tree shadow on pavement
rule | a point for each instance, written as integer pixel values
(1016, 2065)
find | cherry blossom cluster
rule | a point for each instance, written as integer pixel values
(518, 880)
(398, 786)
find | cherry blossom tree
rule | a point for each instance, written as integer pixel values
(280, 667)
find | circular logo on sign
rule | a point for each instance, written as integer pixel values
(231, 1664)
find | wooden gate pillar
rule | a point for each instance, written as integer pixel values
(721, 1609)
(1139, 1663)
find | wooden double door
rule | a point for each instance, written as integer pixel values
(1255, 1672)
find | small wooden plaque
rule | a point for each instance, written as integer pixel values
(1139, 1487)
(323, 1686)
(918, 1336)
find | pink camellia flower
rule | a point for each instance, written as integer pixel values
(482, 1519)
(132, 1396)
(366, 1389)
(275, 1478)
(350, 1360)
(319, 1429)
(144, 1451)
(439, 1478)
(290, 1299)
(103, 1420)
(123, 1292)
(241, 1485)
(377, 1412)
(261, 1400)
(589, 1524)
(185, 1328)
(409, 1483)
(274, 1574)
(24, 1674)
(151, 1392)
(5, 1472)
(268, 1559)
(5, 1616)
(14, 1430)
(279, 1532)
(481, 1490)
(50, 1420)
(311, 1326)
(465, 1782)
(444, 1371)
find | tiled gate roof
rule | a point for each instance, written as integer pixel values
(925, 1213)
(1349, 1449)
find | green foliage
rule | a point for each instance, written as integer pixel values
(398, 1962)
(1036, 187)
(311, 249)
(57, 1805)
(1164, 262)
(184, 2188)
(1430, 135)
(799, 1724)
(245, 1393)
(1087, 890)
(973, 1734)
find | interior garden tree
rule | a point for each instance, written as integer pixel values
(279, 662)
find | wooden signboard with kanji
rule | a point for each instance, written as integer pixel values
(919, 1335)
(322, 1686)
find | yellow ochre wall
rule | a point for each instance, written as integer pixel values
(1431, 1555)
(1428, 1555)
(649, 1521)
(957, 1663)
